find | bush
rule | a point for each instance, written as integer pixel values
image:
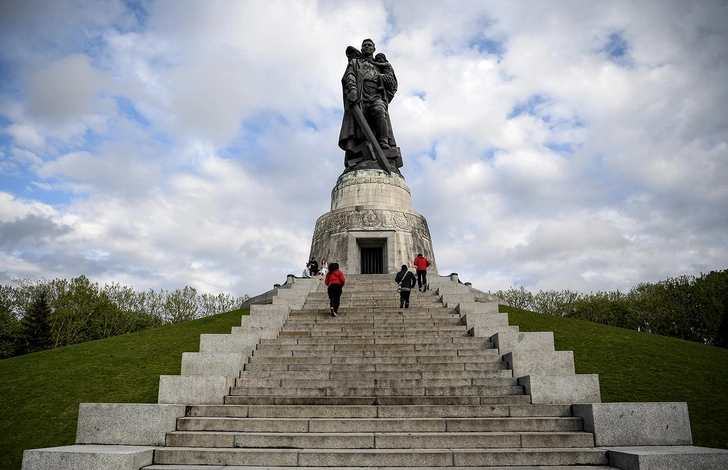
(686, 307)
(42, 314)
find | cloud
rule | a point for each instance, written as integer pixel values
(164, 144)
(31, 230)
(65, 90)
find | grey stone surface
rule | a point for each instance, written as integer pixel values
(371, 208)
(636, 424)
(452, 300)
(232, 343)
(531, 362)
(226, 364)
(194, 389)
(489, 331)
(129, 424)
(507, 342)
(486, 320)
(260, 332)
(477, 308)
(562, 389)
(267, 310)
(668, 458)
(88, 457)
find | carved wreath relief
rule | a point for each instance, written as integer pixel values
(371, 219)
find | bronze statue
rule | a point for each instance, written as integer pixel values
(369, 84)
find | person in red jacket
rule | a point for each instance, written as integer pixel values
(335, 280)
(421, 263)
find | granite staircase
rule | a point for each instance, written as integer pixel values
(378, 387)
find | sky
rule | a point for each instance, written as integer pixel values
(550, 145)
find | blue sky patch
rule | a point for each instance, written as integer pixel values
(489, 154)
(617, 50)
(566, 148)
(528, 106)
(487, 46)
(127, 109)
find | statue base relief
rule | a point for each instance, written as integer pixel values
(371, 228)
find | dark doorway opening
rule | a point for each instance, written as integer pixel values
(372, 260)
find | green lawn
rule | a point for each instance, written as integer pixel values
(41, 392)
(634, 366)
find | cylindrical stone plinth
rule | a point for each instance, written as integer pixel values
(371, 216)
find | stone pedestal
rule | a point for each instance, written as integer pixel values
(371, 227)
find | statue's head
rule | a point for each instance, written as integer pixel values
(367, 47)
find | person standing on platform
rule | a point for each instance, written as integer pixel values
(406, 281)
(314, 266)
(335, 280)
(421, 263)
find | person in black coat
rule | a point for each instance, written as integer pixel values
(406, 281)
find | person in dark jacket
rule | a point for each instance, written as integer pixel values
(406, 281)
(335, 280)
(314, 268)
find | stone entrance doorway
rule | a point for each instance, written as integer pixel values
(372, 260)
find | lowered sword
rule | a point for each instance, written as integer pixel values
(372, 142)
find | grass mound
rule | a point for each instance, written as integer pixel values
(41, 392)
(640, 367)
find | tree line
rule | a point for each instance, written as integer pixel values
(38, 314)
(686, 307)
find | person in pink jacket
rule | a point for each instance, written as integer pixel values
(421, 263)
(335, 280)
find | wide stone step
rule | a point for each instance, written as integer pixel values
(379, 425)
(329, 410)
(423, 312)
(339, 322)
(319, 333)
(398, 401)
(459, 340)
(379, 457)
(358, 374)
(366, 366)
(362, 383)
(381, 358)
(382, 440)
(346, 391)
(245, 467)
(368, 349)
(444, 354)
(343, 345)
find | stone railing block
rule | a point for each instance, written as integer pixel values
(477, 308)
(636, 424)
(562, 389)
(538, 362)
(451, 300)
(485, 319)
(88, 457)
(233, 343)
(489, 331)
(129, 424)
(507, 342)
(194, 389)
(212, 363)
(668, 458)
(257, 332)
(268, 310)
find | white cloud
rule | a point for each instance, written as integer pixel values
(578, 146)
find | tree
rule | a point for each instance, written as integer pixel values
(9, 323)
(35, 327)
